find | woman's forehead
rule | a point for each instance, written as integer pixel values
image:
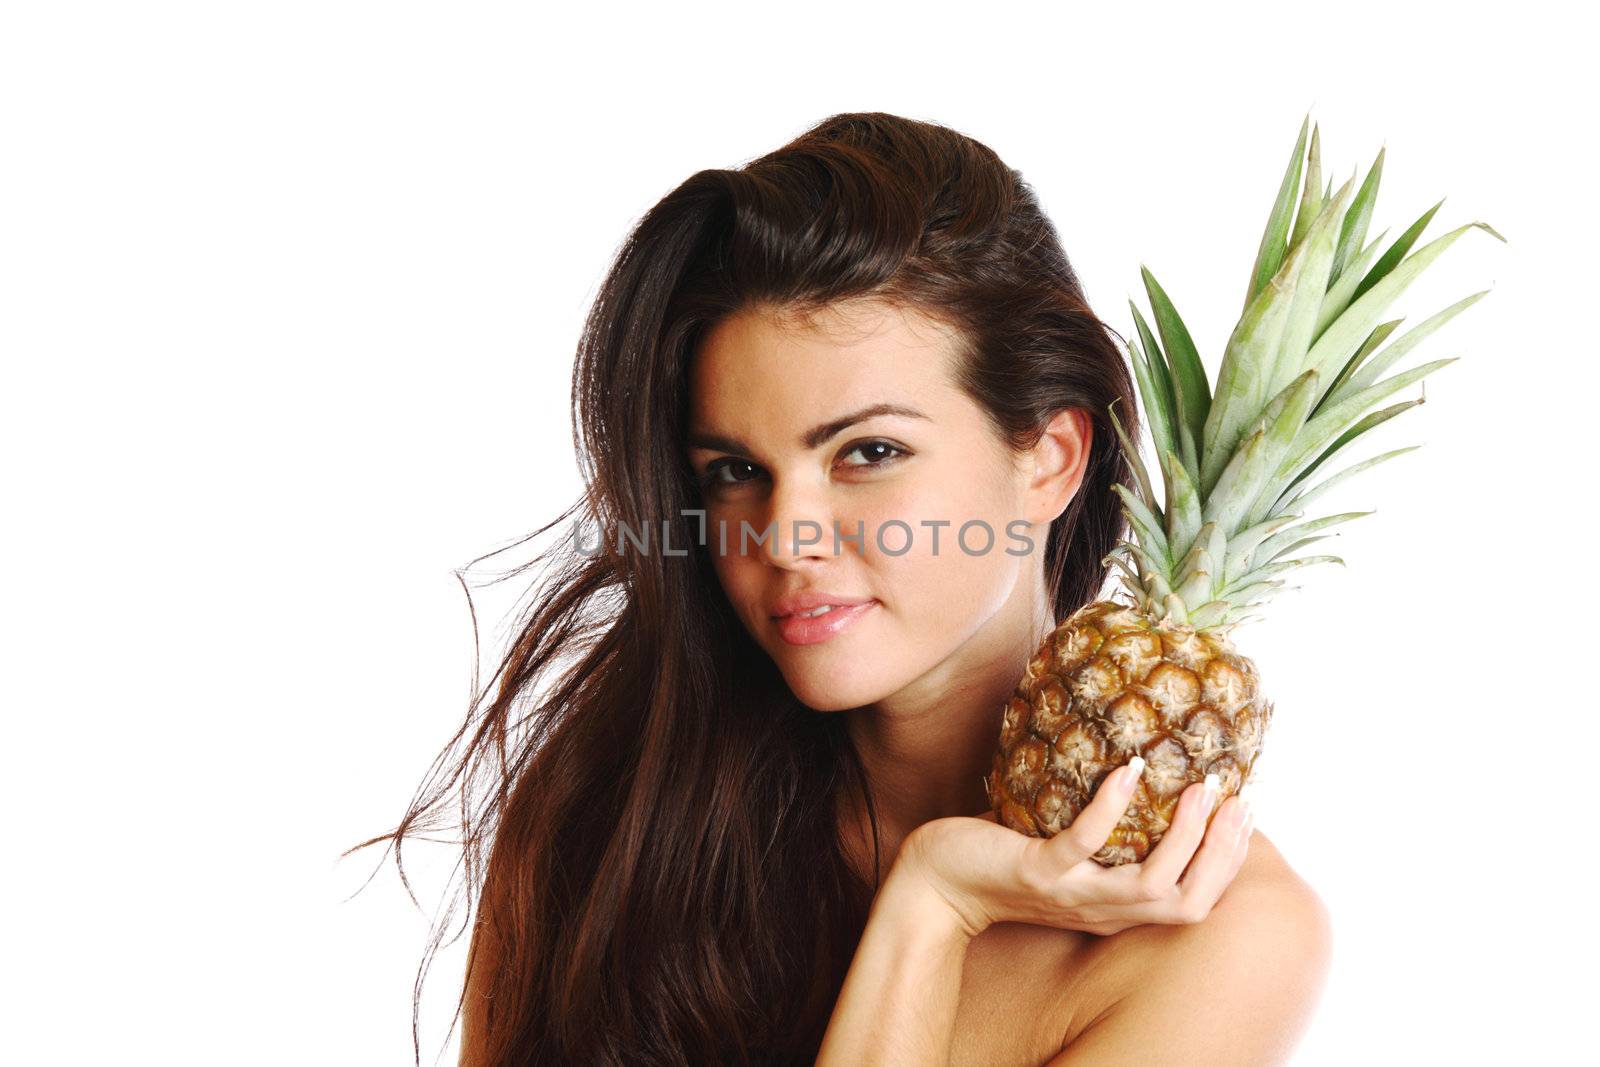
(836, 359)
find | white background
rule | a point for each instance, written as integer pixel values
(288, 299)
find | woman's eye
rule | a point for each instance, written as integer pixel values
(880, 453)
(729, 471)
(713, 474)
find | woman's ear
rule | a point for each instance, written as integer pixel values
(1058, 462)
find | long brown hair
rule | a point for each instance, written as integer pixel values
(647, 812)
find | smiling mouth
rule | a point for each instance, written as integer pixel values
(814, 612)
(819, 625)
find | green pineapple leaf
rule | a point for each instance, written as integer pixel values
(1396, 252)
(1146, 490)
(1183, 506)
(1339, 293)
(1357, 219)
(1288, 540)
(1310, 200)
(1346, 332)
(1157, 419)
(1247, 476)
(1188, 374)
(1145, 525)
(1246, 370)
(1365, 376)
(1274, 240)
(1242, 546)
(1289, 361)
(1305, 496)
(1160, 379)
(1361, 426)
(1378, 335)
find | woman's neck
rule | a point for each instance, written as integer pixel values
(927, 749)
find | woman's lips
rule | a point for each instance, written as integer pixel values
(802, 631)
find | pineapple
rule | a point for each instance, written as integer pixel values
(1159, 677)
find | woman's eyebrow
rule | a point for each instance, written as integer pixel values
(814, 436)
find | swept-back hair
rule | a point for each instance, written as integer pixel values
(647, 813)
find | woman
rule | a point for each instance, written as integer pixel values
(703, 828)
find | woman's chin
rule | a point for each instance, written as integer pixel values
(827, 705)
(830, 692)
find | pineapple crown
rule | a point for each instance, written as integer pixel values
(1297, 380)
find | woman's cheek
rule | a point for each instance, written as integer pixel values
(969, 576)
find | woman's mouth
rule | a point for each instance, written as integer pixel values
(818, 625)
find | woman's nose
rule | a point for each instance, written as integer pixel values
(798, 525)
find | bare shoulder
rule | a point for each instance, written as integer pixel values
(1018, 981)
(1237, 988)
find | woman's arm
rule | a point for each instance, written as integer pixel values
(898, 1002)
(953, 877)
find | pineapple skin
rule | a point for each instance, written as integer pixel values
(1110, 683)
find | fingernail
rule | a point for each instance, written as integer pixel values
(1131, 775)
(1213, 787)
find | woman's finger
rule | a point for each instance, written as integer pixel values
(1242, 847)
(1164, 865)
(1184, 902)
(1213, 868)
(1092, 828)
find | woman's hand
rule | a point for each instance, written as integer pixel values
(988, 873)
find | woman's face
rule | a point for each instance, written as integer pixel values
(779, 440)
